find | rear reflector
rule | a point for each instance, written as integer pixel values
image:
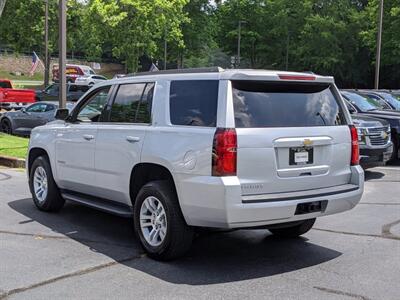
(355, 151)
(296, 77)
(224, 152)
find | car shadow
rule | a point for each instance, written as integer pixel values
(370, 174)
(218, 257)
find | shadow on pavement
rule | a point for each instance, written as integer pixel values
(214, 258)
(371, 175)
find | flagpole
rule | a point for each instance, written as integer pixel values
(46, 44)
(62, 51)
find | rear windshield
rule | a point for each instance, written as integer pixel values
(270, 104)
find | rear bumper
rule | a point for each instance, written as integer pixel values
(218, 202)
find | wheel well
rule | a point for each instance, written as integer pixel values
(144, 173)
(33, 154)
(5, 119)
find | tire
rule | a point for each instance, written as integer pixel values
(178, 236)
(293, 231)
(396, 142)
(6, 126)
(51, 200)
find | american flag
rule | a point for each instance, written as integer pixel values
(35, 62)
(153, 68)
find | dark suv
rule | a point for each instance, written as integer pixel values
(374, 140)
(369, 107)
(51, 93)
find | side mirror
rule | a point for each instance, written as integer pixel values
(352, 110)
(61, 114)
(23, 109)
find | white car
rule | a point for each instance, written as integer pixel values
(89, 79)
(202, 148)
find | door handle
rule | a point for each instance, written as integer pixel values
(88, 137)
(132, 139)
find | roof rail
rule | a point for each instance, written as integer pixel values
(179, 71)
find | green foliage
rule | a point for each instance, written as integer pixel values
(331, 37)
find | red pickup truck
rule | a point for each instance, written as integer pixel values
(8, 95)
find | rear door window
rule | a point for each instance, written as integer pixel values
(260, 104)
(132, 103)
(194, 102)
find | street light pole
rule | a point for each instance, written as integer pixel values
(46, 43)
(239, 39)
(378, 45)
(62, 52)
(165, 48)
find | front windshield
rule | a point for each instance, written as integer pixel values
(363, 103)
(51, 88)
(392, 100)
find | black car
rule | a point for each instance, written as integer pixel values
(374, 140)
(23, 121)
(381, 97)
(369, 107)
(51, 93)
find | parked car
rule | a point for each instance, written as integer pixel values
(51, 93)
(10, 97)
(23, 121)
(367, 106)
(89, 80)
(184, 149)
(374, 140)
(73, 72)
(382, 96)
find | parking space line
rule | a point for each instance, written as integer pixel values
(6, 294)
(342, 293)
(55, 237)
(391, 237)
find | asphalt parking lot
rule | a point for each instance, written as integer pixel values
(85, 254)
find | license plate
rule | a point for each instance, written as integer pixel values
(301, 156)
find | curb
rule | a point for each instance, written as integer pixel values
(12, 162)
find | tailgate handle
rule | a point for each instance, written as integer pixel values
(301, 141)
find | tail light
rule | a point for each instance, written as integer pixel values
(224, 153)
(355, 151)
(296, 77)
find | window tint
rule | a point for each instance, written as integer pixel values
(50, 107)
(392, 100)
(5, 85)
(52, 89)
(37, 108)
(92, 110)
(194, 102)
(132, 103)
(269, 104)
(363, 102)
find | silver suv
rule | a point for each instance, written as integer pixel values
(202, 148)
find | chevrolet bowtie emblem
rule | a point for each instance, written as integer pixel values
(307, 142)
(384, 135)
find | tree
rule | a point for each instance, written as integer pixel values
(135, 26)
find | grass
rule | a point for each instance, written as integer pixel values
(13, 146)
(8, 75)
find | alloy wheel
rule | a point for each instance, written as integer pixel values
(153, 221)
